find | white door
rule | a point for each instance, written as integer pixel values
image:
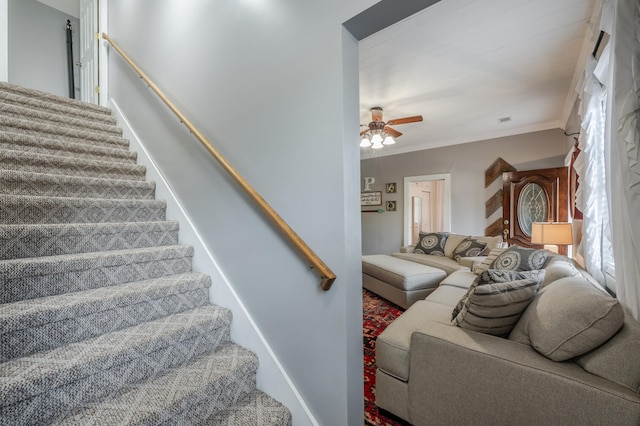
(89, 91)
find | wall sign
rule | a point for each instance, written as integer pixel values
(373, 198)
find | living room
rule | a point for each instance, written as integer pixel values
(472, 167)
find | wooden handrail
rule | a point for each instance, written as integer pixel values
(327, 276)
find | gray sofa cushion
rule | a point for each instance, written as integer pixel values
(558, 267)
(441, 262)
(400, 273)
(569, 318)
(394, 343)
(618, 359)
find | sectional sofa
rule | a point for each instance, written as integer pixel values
(566, 354)
(415, 271)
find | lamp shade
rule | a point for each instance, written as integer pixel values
(558, 233)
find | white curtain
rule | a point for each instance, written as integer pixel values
(625, 150)
(591, 196)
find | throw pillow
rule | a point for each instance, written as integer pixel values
(519, 258)
(569, 318)
(431, 243)
(469, 247)
(491, 276)
(495, 308)
(493, 254)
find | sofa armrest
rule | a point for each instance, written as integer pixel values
(458, 376)
(472, 262)
(407, 249)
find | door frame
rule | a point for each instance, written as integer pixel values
(102, 78)
(446, 213)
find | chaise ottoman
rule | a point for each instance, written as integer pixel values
(399, 281)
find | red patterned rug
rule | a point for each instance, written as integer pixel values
(376, 316)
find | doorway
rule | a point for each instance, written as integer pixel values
(93, 52)
(427, 205)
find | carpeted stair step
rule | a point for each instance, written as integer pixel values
(183, 395)
(35, 389)
(57, 165)
(45, 323)
(9, 98)
(17, 241)
(30, 278)
(26, 143)
(49, 185)
(55, 102)
(254, 409)
(20, 209)
(28, 127)
(57, 119)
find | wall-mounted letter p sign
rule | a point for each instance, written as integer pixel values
(368, 181)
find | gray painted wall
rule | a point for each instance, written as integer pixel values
(38, 46)
(383, 232)
(256, 80)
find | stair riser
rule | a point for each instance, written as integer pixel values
(73, 151)
(57, 166)
(52, 119)
(217, 397)
(30, 287)
(21, 244)
(52, 335)
(85, 188)
(255, 408)
(40, 141)
(97, 171)
(206, 384)
(61, 134)
(44, 408)
(69, 213)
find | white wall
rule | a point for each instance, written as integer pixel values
(383, 232)
(37, 48)
(257, 77)
(4, 40)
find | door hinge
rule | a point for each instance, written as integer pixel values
(97, 36)
(97, 89)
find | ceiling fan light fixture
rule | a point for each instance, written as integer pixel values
(365, 143)
(376, 140)
(388, 141)
(377, 144)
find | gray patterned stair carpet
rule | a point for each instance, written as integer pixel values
(102, 319)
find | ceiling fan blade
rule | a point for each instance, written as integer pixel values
(405, 120)
(393, 132)
(363, 132)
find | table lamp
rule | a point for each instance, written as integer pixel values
(551, 234)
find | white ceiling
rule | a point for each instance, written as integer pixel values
(70, 7)
(463, 64)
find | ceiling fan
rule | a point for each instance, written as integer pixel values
(378, 133)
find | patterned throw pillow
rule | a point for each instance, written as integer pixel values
(431, 243)
(496, 308)
(493, 254)
(469, 247)
(518, 258)
(492, 276)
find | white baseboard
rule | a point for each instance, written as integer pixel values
(272, 378)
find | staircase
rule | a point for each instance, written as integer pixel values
(102, 320)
